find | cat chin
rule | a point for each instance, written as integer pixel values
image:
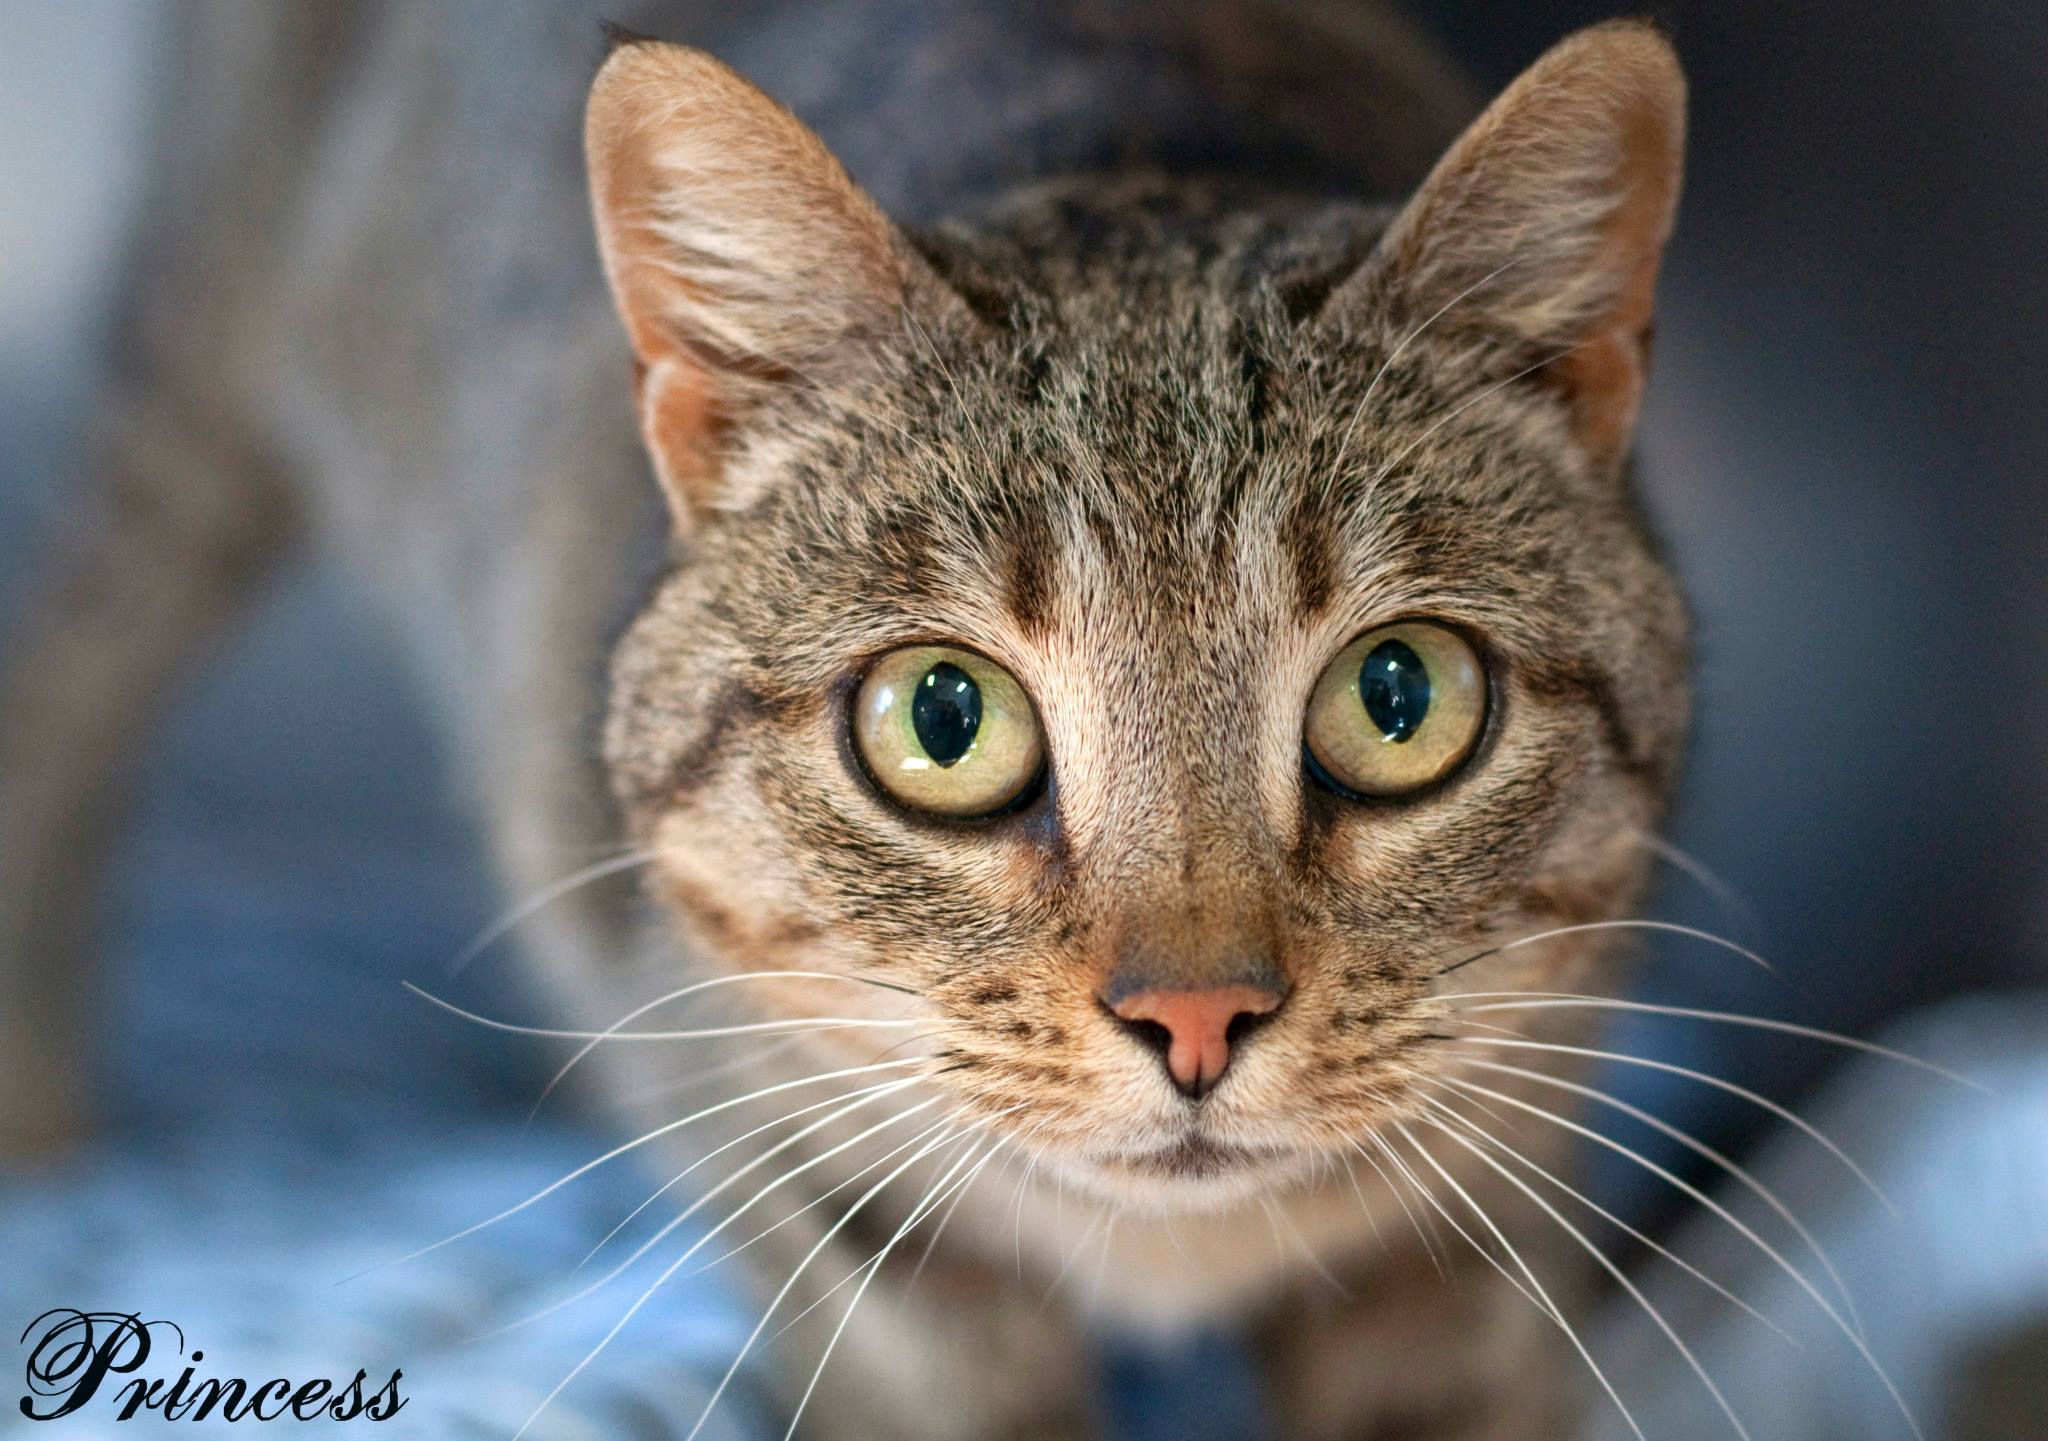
(1189, 1178)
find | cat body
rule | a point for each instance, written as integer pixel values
(1165, 398)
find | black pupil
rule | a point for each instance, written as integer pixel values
(946, 712)
(1394, 684)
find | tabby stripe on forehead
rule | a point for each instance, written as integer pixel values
(1311, 555)
(1027, 578)
(903, 542)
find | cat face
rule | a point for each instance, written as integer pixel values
(1155, 637)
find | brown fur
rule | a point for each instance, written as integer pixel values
(1140, 474)
(1158, 443)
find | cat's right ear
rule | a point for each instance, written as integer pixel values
(742, 257)
(1545, 223)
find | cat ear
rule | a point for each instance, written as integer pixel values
(1545, 222)
(741, 256)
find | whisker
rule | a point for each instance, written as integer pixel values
(1102, 1257)
(1546, 1304)
(967, 412)
(1067, 1264)
(874, 1269)
(1351, 1175)
(1538, 1299)
(1017, 1215)
(1686, 1188)
(787, 1286)
(1281, 1220)
(1668, 927)
(1358, 411)
(1604, 1214)
(1395, 1191)
(648, 1294)
(1783, 1113)
(959, 1195)
(668, 1228)
(1430, 1240)
(800, 1024)
(1548, 1000)
(1724, 895)
(929, 1203)
(1852, 1333)
(846, 1103)
(1273, 1225)
(1459, 409)
(1656, 1316)
(542, 899)
(818, 1200)
(715, 982)
(588, 1166)
(703, 1076)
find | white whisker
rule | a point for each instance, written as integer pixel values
(1459, 409)
(1783, 1113)
(592, 1042)
(643, 1299)
(1678, 1183)
(1365, 1206)
(1604, 1214)
(795, 1024)
(588, 1166)
(1071, 1257)
(1656, 1316)
(1545, 1304)
(1667, 927)
(1308, 1254)
(542, 899)
(1551, 1000)
(1430, 1240)
(845, 1103)
(669, 1227)
(1853, 1334)
(787, 1286)
(932, 1199)
(1358, 411)
(874, 1269)
(1402, 1201)
(698, 1078)
(1539, 1299)
(1732, 905)
(824, 1196)
(959, 1195)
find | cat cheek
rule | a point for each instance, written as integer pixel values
(732, 897)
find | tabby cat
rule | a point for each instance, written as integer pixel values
(1140, 650)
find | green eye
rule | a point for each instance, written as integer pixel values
(1399, 708)
(947, 731)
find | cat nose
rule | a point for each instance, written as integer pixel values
(1193, 1031)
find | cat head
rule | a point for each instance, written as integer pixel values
(1153, 637)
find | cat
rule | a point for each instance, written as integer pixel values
(1111, 665)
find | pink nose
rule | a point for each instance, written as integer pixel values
(1194, 1030)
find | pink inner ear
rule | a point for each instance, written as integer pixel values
(1603, 383)
(679, 421)
(1546, 222)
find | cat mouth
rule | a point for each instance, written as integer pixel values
(1194, 1157)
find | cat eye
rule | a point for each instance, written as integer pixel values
(947, 731)
(1399, 708)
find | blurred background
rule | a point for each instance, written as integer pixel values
(1846, 448)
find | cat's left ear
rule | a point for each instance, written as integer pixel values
(743, 259)
(1545, 223)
